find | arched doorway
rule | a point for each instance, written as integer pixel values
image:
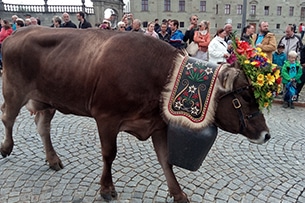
(116, 9)
(112, 16)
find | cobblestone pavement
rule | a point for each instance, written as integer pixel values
(234, 170)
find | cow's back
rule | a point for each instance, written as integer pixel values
(78, 70)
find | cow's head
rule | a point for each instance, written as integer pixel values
(237, 110)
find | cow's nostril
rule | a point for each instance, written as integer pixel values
(267, 137)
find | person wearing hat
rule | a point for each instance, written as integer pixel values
(279, 56)
(27, 15)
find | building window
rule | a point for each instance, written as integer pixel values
(238, 25)
(181, 24)
(144, 5)
(181, 5)
(266, 10)
(167, 5)
(145, 23)
(291, 10)
(278, 26)
(253, 10)
(303, 13)
(239, 9)
(227, 9)
(203, 6)
(279, 11)
(216, 9)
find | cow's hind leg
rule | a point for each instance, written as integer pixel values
(159, 139)
(43, 116)
(108, 134)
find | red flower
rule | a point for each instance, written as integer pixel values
(195, 69)
(278, 81)
(201, 71)
(195, 96)
(205, 77)
(187, 73)
(185, 93)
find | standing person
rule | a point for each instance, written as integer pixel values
(6, 30)
(291, 75)
(136, 26)
(202, 38)
(176, 39)
(157, 25)
(106, 25)
(151, 31)
(56, 22)
(163, 34)
(128, 19)
(19, 23)
(189, 33)
(302, 30)
(218, 48)
(14, 18)
(83, 23)
(247, 34)
(67, 22)
(229, 30)
(33, 21)
(291, 41)
(279, 56)
(121, 26)
(265, 39)
(302, 61)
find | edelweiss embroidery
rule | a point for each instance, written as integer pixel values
(192, 90)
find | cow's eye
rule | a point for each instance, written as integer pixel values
(247, 98)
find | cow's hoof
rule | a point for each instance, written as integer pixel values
(113, 195)
(56, 166)
(5, 153)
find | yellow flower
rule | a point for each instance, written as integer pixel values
(246, 61)
(270, 79)
(277, 74)
(266, 104)
(260, 82)
(269, 94)
(253, 63)
(268, 60)
(258, 49)
(260, 77)
(279, 89)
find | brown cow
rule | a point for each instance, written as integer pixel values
(116, 78)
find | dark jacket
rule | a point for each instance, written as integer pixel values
(69, 24)
(85, 24)
(165, 38)
(189, 35)
(247, 38)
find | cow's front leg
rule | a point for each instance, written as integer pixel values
(9, 114)
(108, 134)
(159, 139)
(43, 122)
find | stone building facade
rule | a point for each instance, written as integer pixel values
(278, 13)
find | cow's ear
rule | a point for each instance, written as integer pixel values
(227, 77)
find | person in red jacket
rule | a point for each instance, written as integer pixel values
(5, 31)
(202, 38)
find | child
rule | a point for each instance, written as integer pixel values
(291, 74)
(279, 57)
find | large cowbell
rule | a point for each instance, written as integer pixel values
(188, 148)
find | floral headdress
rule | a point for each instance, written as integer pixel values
(264, 76)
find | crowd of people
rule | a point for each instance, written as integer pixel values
(288, 53)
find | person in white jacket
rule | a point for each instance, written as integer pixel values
(218, 48)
